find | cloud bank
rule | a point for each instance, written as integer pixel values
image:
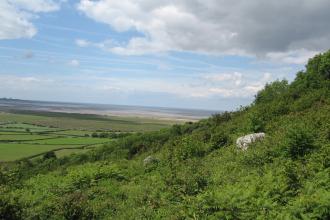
(286, 30)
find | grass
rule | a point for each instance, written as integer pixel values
(71, 141)
(67, 152)
(85, 121)
(10, 152)
(21, 137)
(74, 132)
(24, 134)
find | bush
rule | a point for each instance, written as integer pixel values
(189, 147)
(219, 139)
(325, 65)
(95, 135)
(176, 130)
(49, 155)
(257, 123)
(104, 135)
(299, 142)
(10, 209)
(221, 118)
(272, 91)
(202, 135)
(75, 206)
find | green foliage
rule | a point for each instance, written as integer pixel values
(49, 155)
(221, 118)
(325, 66)
(272, 91)
(299, 142)
(257, 122)
(75, 206)
(188, 147)
(219, 139)
(10, 208)
(95, 135)
(176, 130)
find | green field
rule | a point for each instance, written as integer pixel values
(27, 144)
(30, 134)
(76, 121)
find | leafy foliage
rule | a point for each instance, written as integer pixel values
(300, 141)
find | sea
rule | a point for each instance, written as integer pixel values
(106, 109)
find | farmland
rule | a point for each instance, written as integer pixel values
(76, 121)
(27, 135)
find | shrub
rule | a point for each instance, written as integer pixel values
(325, 65)
(49, 155)
(292, 178)
(221, 118)
(176, 130)
(272, 91)
(10, 209)
(257, 123)
(202, 135)
(299, 142)
(75, 206)
(189, 147)
(95, 135)
(104, 135)
(219, 139)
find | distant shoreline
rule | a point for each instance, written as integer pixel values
(160, 113)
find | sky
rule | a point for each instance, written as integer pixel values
(202, 54)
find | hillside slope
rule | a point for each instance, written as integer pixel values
(195, 170)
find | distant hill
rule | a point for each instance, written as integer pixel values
(195, 170)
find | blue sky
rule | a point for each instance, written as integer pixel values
(143, 53)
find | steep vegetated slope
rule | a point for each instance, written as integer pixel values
(195, 170)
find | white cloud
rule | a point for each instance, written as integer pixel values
(217, 26)
(35, 5)
(222, 85)
(12, 82)
(295, 57)
(82, 43)
(16, 16)
(104, 45)
(236, 77)
(74, 63)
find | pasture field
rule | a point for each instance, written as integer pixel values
(27, 144)
(10, 152)
(90, 122)
(28, 134)
(21, 137)
(69, 141)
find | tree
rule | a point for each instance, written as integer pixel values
(272, 91)
(324, 68)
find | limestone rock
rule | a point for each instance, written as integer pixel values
(244, 141)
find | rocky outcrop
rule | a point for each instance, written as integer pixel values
(244, 141)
